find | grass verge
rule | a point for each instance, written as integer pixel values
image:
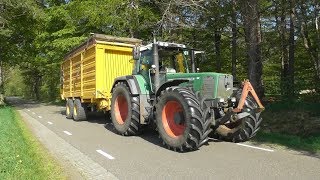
(21, 155)
(310, 143)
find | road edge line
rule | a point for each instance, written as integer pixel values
(105, 154)
(254, 147)
(66, 152)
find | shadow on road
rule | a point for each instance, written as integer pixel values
(20, 103)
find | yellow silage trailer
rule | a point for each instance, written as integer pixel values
(88, 72)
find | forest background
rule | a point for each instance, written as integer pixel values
(273, 43)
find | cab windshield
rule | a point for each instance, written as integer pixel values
(170, 61)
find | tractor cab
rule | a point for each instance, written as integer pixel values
(172, 58)
(156, 61)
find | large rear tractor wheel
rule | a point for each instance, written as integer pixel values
(245, 128)
(79, 111)
(179, 119)
(69, 108)
(125, 110)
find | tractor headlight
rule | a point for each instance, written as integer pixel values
(233, 99)
(221, 100)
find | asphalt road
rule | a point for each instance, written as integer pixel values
(144, 157)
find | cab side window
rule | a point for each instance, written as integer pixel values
(146, 60)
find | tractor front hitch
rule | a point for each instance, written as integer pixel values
(247, 87)
(232, 116)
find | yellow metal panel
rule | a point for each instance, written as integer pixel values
(90, 73)
(112, 62)
(76, 75)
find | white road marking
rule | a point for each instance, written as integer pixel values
(40, 117)
(50, 123)
(28, 110)
(68, 133)
(254, 147)
(105, 154)
(214, 139)
(33, 113)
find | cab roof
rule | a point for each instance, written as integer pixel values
(163, 44)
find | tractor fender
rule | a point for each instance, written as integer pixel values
(130, 81)
(170, 83)
(145, 107)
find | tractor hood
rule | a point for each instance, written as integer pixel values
(211, 85)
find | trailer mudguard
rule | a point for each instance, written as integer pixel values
(139, 87)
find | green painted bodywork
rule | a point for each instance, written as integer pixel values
(144, 85)
(197, 80)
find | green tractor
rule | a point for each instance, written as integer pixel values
(186, 106)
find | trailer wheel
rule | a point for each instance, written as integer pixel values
(125, 110)
(69, 108)
(245, 128)
(79, 110)
(179, 119)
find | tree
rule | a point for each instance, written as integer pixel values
(251, 19)
(309, 30)
(234, 39)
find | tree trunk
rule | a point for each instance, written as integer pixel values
(317, 51)
(282, 30)
(251, 19)
(234, 40)
(217, 44)
(291, 50)
(1, 79)
(313, 49)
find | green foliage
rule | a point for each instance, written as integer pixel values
(22, 157)
(311, 143)
(14, 86)
(292, 117)
(37, 34)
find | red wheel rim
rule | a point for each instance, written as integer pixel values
(121, 109)
(171, 110)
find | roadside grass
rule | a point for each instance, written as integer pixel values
(294, 124)
(310, 143)
(21, 155)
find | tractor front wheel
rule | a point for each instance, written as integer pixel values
(179, 119)
(125, 110)
(245, 128)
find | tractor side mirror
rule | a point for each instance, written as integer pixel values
(136, 52)
(201, 56)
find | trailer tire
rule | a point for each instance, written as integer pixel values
(69, 108)
(245, 128)
(80, 111)
(179, 119)
(125, 110)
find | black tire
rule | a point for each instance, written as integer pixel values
(207, 116)
(80, 111)
(69, 108)
(190, 132)
(126, 120)
(246, 128)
